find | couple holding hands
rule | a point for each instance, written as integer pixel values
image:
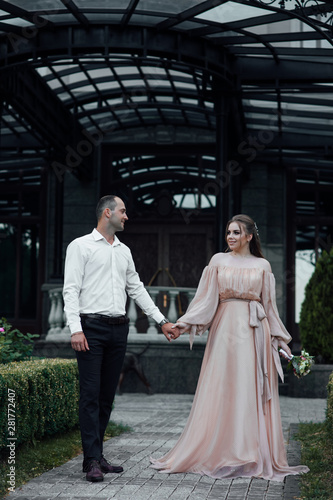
(234, 427)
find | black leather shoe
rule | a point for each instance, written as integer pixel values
(106, 467)
(94, 472)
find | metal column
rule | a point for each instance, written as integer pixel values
(223, 177)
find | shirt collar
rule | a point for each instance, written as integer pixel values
(98, 236)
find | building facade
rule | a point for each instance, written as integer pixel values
(191, 112)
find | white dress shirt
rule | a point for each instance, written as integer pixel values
(98, 277)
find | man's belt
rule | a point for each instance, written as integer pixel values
(110, 320)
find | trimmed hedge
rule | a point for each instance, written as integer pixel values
(39, 398)
(329, 411)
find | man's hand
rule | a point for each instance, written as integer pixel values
(170, 333)
(175, 332)
(79, 342)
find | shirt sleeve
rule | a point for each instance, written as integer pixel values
(201, 311)
(278, 330)
(137, 291)
(74, 272)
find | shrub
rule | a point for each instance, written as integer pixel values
(14, 345)
(329, 411)
(39, 398)
(316, 319)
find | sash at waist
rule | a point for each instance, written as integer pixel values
(256, 315)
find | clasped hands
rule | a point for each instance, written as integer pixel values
(173, 331)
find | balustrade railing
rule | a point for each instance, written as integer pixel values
(171, 301)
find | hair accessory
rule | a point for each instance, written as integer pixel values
(256, 228)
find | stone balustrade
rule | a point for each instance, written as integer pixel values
(171, 301)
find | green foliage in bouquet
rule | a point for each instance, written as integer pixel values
(14, 345)
(316, 319)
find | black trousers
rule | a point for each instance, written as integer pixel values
(99, 370)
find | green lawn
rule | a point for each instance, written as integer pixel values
(317, 454)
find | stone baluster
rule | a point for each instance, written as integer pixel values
(56, 315)
(51, 318)
(173, 311)
(152, 328)
(132, 315)
(59, 312)
(59, 332)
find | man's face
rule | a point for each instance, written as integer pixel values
(118, 216)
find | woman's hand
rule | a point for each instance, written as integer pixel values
(180, 328)
(284, 346)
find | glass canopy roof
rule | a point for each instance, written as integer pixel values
(120, 68)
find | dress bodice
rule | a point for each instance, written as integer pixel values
(240, 283)
(220, 283)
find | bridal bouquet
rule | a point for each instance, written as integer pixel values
(301, 365)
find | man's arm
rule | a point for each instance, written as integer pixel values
(74, 270)
(139, 294)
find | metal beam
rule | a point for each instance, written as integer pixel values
(71, 42)
(32, 98)
(291, 98)
(189, 13)
(9, 28)
(260, 71)
(72, 8)
(213, 27)
(129, 12)
(223, 195)
(295, 141)
(292, 123)
(289, 113)
(278, 15)
(302, 15)
(284, 51)
(270, 38)
(30, 16)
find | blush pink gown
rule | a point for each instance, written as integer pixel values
(234, 427)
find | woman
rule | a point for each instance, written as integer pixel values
(234, 428)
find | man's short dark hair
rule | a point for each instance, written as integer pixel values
(108, 201)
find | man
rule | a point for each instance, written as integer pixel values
(99, 273)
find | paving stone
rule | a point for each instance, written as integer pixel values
(163, 493)
(150, 417)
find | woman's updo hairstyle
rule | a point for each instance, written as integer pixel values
(250, 228)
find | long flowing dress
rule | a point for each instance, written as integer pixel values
(234, 427)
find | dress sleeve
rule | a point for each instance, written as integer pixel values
(202, 309)
(277, 328)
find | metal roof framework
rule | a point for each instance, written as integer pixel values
(76, 73)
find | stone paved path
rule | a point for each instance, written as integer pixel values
(157, 422)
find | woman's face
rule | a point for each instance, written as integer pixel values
(237, 238)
